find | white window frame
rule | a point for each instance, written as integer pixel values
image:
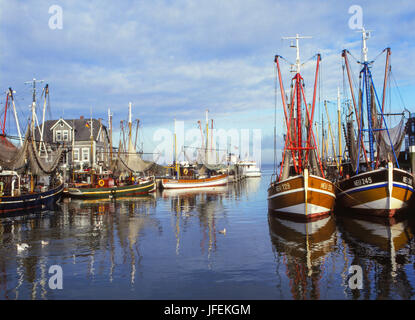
(76, 154)
(58, 133)
(85, 151)
(65, 132)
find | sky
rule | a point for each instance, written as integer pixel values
(175, 59)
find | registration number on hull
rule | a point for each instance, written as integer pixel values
(282, 187)
(326, 186)
(362, 182)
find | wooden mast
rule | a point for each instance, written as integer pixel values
(15, 116)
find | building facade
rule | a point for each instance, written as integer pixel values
(86, 141)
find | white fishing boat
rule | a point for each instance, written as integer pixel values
(214, 181)
(208, 173)
(249, 168)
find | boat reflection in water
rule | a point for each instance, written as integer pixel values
(245, 188)
(381, 246)
(202, 203)
(304, 247)
(90, 239)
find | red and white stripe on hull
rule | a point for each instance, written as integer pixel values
(303, 197)
(195, 183)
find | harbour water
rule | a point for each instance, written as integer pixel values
(173, 245)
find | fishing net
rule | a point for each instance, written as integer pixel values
(130, 161)
(392, 142)
(27, 157)
(210, 159)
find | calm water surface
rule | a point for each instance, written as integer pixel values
(169, 246)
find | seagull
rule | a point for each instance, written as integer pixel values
(21, 247)
(44, 243)
(223, 231)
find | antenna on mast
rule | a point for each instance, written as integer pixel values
(365, 36)
(297, 46)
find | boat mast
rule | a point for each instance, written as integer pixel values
(15, 116)
(33, 107)
(367, 87)
(42, 143)
(298, 97)
(385, 82)
(92, 142)
(207, 136)
(175, 151)
(129, 135)
(339, 128)
(129, 127)
(110, 127)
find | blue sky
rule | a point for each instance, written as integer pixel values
(174, 59)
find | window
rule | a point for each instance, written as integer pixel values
(76, 154)
(99, 154)
(58, 135)
(65, 135)
(85, 154)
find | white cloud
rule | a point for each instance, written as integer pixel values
(175, 59)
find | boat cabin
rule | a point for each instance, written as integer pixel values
(85, 178)
(9, 183)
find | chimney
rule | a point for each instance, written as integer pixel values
(81, 117)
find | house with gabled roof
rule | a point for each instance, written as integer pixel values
(75, 135)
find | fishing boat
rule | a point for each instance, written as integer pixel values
(249, 168)
(121, 181)
(104, 186)
(300, 190)
(15, 197)
(375, 184)
(22, 167)
(213, 181)
(208, 174)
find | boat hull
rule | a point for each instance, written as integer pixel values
(31, 201)
(253, 174)
(195, 183)
(303, 197)
(114, 192)
(381, 192)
